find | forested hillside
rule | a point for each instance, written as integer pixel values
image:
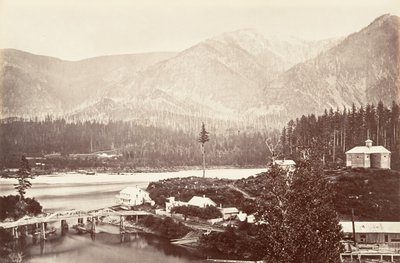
(140, 146)
(337, 131)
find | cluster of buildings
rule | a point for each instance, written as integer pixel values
(228, 213)
(133, 196)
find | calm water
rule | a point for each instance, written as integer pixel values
(86, 192)
(107, 248)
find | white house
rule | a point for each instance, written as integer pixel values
(132, 196)
(201, 202)
(198, 201)
(288, 165)
(368, 156)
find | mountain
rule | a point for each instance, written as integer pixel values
(33, 85)
(242, 78)
(226, 73)
(363, 68)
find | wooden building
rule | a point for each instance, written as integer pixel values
(368, 156)
(373, 232)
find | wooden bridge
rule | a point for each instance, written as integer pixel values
(70, 214)
(38, 225)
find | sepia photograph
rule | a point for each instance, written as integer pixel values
(213, 131)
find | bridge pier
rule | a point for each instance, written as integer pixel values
(34, 234)
(42, 237)
(122, 229)
(64, 227)
(22, 237)
(93, 229)
(14, 232)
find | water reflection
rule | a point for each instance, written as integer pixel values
(107, 248)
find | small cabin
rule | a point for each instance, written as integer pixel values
(368, 156)
(287, 165)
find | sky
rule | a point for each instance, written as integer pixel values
(78, 29)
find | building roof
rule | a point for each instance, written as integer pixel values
(229, 210)
(201, 201)
(365, 149)
(284, 162)
(371, 227)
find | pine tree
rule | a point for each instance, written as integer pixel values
(23, 175)
(203, 138)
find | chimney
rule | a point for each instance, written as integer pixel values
(368, 143)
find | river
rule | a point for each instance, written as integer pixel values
(65, 191)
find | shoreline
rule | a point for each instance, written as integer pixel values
(11, 172)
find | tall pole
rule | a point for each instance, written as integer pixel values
(354, 228)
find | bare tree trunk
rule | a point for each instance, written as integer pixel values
(204, 159)
(344, 139)
(334, 146)
(377, 134)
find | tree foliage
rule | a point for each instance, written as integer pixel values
(203, 138)
(23, 176)
(165, 226)
(231, 242)
(10, 208)
(203, 135)
(298, 222)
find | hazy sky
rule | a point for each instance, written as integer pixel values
(77, 29)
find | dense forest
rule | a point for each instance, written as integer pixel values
(139, 146)
(331, 134)
(337, 131)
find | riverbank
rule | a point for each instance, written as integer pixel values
(11, 172)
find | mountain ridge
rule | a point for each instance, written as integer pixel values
(239, 75)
